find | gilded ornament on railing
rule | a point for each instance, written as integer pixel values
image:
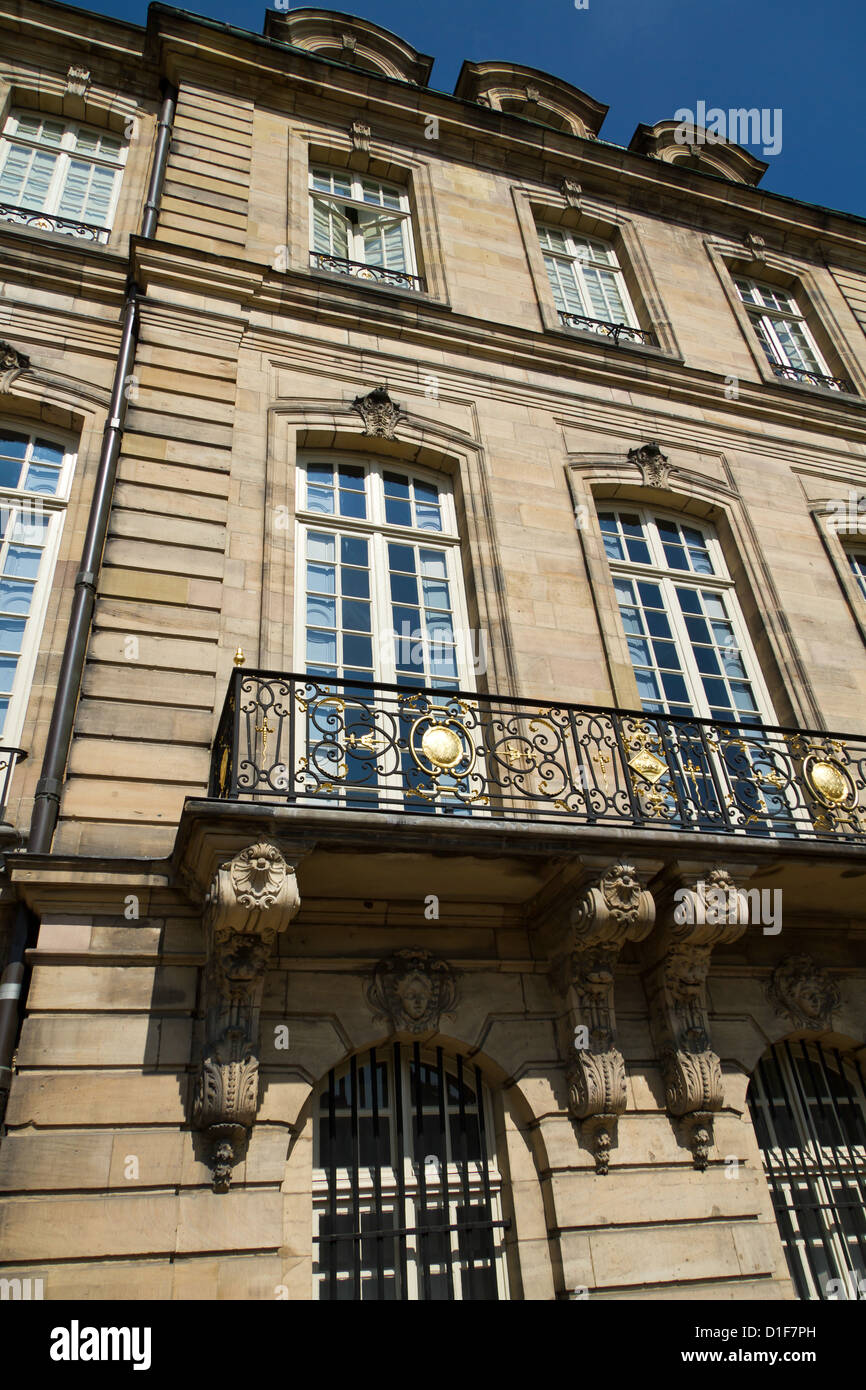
(829, 782)
(443, 745)
(648, 766)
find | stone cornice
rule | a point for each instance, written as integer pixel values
(533, 150)
(181, 42)
(259, 292)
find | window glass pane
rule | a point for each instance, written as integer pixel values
(11, 634)
(41, 478)
(30, 525)
(321, 578)
(10, 472)
(8, 667)
(15, 596)
(320, 547)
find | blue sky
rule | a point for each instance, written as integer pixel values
(648, 58)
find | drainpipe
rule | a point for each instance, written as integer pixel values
(47, 801)
(46, 806)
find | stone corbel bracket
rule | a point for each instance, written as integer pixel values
(251, 900)
(12, 364)
(615, 909)
(696, 913)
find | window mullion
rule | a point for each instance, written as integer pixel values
(684, 647)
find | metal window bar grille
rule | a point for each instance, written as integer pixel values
(391, 1229)
(808, 1106)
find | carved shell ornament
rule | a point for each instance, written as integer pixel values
(621, 891)
(257, 875)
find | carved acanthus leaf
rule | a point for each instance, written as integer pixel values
(251, 900)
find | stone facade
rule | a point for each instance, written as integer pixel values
(159, 1137)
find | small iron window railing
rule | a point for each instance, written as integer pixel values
(50, 222)
(618, 332)
(362, 270)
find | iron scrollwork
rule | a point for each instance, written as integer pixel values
(378, 747)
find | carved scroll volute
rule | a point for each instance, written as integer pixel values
(251, 900)
(708, 912)
(615, 910)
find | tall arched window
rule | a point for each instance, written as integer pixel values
(406, 1190)
(685, 632)
(808, 1107)
(379, 584)
(35, 474)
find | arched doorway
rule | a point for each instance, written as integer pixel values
(407, 1193)
(808, 1106)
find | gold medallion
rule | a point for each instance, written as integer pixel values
(829, 781)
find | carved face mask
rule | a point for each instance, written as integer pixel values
(415, 994)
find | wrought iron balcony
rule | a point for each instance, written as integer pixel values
(8, 758)
(832, 383)
(298, 740)
(619, 332)
(359, 270)
(48, 222)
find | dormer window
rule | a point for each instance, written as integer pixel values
(59, 176)
(362, 227)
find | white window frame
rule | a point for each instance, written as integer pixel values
(54, 507)
(601, 255)
(65, 151)
(760, 313)
(857, 566)
(433, 1184)
(379, 532)
(356, 203)
(660, 572)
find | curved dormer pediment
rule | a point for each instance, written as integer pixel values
(679, 142)
(536, 95)
(347, 39)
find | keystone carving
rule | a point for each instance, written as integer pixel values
(652, 463)
(711, 912)
(11, 363)
(379, 413)
(77, 81)
(412, 989)
(615, 910)
(571, 192)
(757, 247)
(251, 900)
(803, 992)
(360, 134)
